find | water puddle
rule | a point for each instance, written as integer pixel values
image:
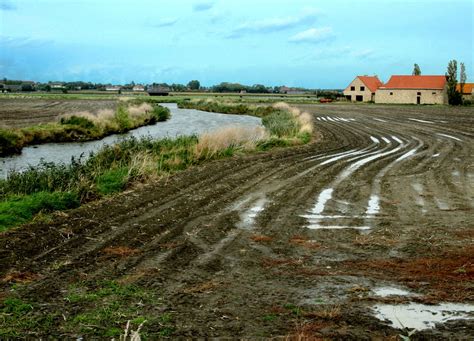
(450, 137)
(386, 140)
(436, 155)
(421, 121)
(420, 316)
(248, 216)
(391, 291)
(397, 139)
(375, 140)
(379, 119)
(442, 205)
(317, 226)
(373, 207)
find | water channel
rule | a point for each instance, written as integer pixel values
(182, 122)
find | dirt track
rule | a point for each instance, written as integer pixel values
(285, 243)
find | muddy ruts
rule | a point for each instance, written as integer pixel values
(270, 229)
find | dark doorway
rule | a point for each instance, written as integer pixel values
(349, 97)
(359, 98)
(418, 100)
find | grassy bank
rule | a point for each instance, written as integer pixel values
(83, 126)
(51, 187)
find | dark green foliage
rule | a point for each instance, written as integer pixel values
(9, 142)
(78, 121)
(160, 114)
(454, 97)
(19, 209)
(112, 181)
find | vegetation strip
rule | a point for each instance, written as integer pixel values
(50, 187)
(83, 126)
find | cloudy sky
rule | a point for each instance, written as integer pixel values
(309, 43)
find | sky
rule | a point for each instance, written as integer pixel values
(304, 43)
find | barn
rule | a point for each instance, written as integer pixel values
(362, 89)
(413, 90)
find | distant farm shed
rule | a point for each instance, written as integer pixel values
(362, 89)
(467, 91)
(413, 90)
(158, 91)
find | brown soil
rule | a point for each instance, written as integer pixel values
(18, 112)
(226, 248)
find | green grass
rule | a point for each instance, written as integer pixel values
(112, 181)
(20, 209)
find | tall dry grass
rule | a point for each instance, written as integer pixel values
(304, 119)
(237, 137)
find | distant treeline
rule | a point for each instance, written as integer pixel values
(194, 85)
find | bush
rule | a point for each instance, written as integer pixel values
(123, 119)
(160, 114)
(10, 142)
(281, 124)
(78, 121)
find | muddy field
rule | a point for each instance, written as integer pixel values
(375, 218)
(19, 112)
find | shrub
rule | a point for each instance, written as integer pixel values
(122, 118)
(78, 121)
(10, 142)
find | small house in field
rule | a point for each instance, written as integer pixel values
(362, 89)
(467, 91)
(158, 91)
(413, 90)
(138, 88)
(113, 88)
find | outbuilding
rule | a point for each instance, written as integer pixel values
(413, 90)
(362, 89)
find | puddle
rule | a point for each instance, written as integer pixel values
(247, 218)
(420, 316)
(436, 155)
(317, 226)
(386, 140)
(422, 121)
(330, 119)
(397, 139)
(373, 207)
(323, 198)
(391, 291)
(449, 136)
(374, 139)
(379, 119)
(441, 204)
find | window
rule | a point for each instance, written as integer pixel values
(362, 88)
(353, 88)
(418, 93)
(433, 93)
(391, 93)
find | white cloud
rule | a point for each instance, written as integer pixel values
(313, 35)
(270, 25)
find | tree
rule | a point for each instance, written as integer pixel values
(454, 97)
(416, 70)
(194, 85)
(462, 77)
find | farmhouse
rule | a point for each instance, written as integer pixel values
(413, 90)
(362, 89)
(467, 91)
(138, 87)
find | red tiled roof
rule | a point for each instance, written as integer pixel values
(416, 82)
(467, 90)
(373, 83)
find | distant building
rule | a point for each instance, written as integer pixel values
(413, 90)
(468, 91)
(138, 88)
(56, 85)
(113, 88)
(158, 91)
(290, 91)
(362, 89)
